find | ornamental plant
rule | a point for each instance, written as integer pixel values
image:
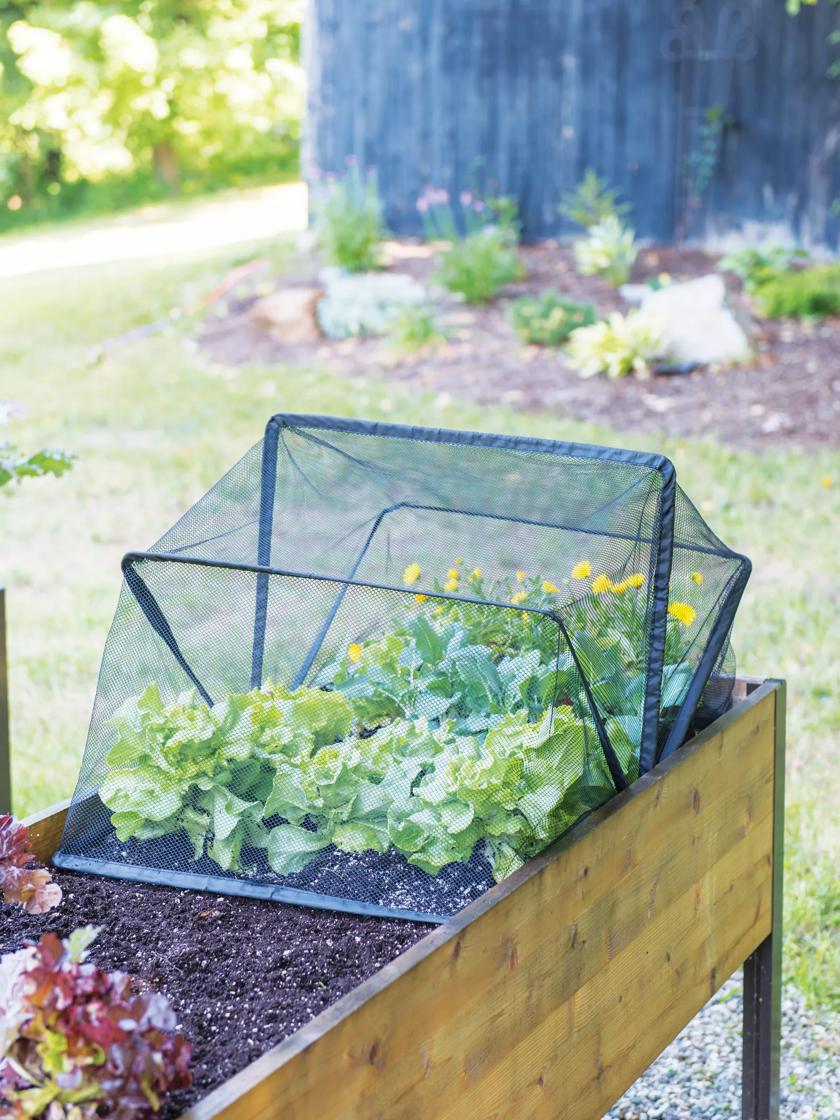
(753, 266)
(592, 201)
(348, 219)
(434, 739)
(78, 1043)
(16, 465)
(549, 319)
(416, 330)
(619, 345)
(21, 882)
(608, 250)
(480, 254)
(805, 293)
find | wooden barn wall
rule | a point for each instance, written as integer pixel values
(522, 96)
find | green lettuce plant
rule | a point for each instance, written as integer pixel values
(463, 728)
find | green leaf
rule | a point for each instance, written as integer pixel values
(291, 848)
(148, 791)
(287, 798)
(430, 644)
(359, 836)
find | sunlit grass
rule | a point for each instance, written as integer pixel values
(154, 424)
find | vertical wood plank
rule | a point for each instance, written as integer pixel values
(522, 96)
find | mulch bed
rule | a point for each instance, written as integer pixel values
(788, 396)
(242, 975)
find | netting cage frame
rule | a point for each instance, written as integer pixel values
(653, 745)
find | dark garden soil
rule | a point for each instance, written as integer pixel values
(789, 395)
(242, 975)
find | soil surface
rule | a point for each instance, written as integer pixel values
(789, 395)
(242, 975)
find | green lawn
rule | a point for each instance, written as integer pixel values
(153, 425)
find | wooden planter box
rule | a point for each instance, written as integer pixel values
(552, 993)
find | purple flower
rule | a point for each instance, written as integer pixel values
(423, 204)
(350, 160)
(466, 198)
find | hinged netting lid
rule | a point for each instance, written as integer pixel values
(378, 667)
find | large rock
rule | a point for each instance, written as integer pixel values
(289, 314)
(365, 303)
(701, 328)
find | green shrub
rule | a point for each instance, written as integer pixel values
(619, 345)
(480, 256)
(348, 220)
(548, 319)
(752, 266)
(478, 265)
(805, 293)
(591, 202)
(416, 329)
(608, 250)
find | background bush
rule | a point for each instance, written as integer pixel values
(803, 293)
(104, 104)
(549, 319)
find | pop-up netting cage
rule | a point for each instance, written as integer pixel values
(377, 668)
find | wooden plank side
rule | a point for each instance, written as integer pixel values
(600, 950)
(45, 829)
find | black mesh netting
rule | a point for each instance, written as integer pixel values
(378, 668)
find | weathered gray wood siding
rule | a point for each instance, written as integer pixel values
(521, 96)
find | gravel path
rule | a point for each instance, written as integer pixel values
(699, 1075)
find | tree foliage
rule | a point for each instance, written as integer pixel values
(172, 88)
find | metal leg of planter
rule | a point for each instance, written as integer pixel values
(5, 748)
(763, 971)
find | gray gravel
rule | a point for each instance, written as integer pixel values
(699, 1075)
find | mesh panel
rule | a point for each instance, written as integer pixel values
(379, 668)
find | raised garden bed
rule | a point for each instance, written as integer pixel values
(546, 997)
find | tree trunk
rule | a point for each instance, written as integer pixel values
(166, 164)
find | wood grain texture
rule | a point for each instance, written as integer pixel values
(45, 829)
(552, 993)
(522, 96)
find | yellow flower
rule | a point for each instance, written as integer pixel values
(411, 574)
(583, 570)
(635, 580)
(620, 588)
(451, 585)
(601, 584)
(438, 610)
(524, 616)
(697, 577)
(458, 560)
(519, 597)
(683, 612)
(420, 598)
(520, 576)
(354, 651)
(826, 481)
(476, 573)
(549, 587)
(453, 573)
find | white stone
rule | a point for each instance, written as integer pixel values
(701, 327)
